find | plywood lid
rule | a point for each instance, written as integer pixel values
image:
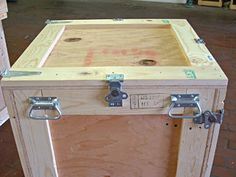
(146, 51)
(104, 45)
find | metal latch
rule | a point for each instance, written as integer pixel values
(8, 74)
(208, 117)
(44, 103)
(199, 117)
(115, 97)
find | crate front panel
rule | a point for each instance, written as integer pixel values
(53, 146)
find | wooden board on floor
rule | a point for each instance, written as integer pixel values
(158, 57)
(233, 5)
(166, 1)
(215, 3)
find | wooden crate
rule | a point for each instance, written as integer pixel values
(72, 60)
(4, 60)
(233, 4)
(216, 3)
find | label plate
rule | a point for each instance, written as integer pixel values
(146, 101)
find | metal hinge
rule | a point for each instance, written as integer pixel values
(8, 74)
(199, 117)
(199, 41)
(115, 97)
(48, 21)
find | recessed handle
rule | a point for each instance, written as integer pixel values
(44, 103)
(185, 101)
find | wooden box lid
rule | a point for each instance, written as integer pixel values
(146, 51)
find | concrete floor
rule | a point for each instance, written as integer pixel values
(216, 25)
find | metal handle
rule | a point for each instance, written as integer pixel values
(44, 103)
(185, 100)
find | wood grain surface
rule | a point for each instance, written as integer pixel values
(131, 45)
(116, 146)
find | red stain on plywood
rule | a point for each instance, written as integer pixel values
(89, 57)
(130, 52)
(151, 54)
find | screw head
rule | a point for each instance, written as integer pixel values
(207, 126)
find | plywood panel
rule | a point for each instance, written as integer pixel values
(116, 146)
(104, 45)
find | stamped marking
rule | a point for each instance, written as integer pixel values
(146, 101)
(190, 74)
